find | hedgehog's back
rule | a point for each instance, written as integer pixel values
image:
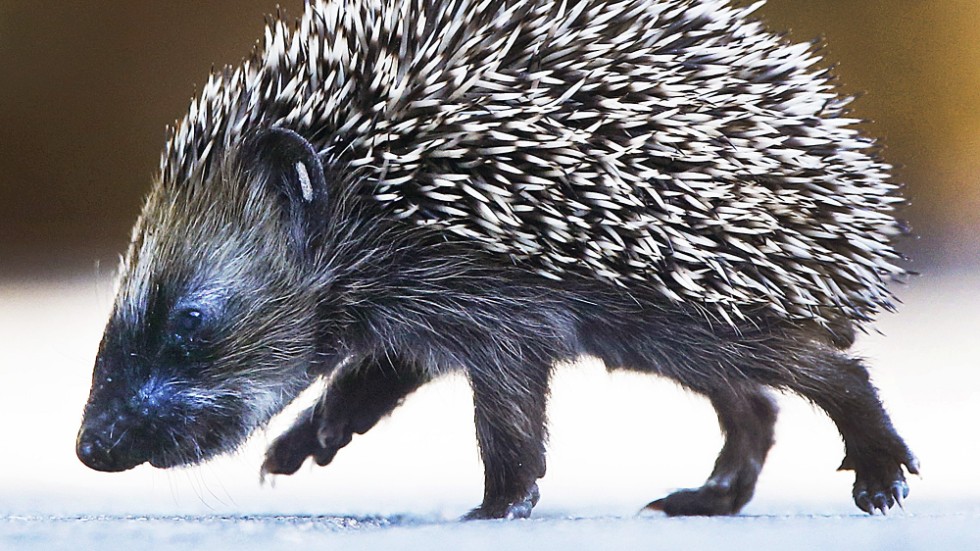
(669, 144)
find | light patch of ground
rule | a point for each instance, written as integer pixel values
(799, 533)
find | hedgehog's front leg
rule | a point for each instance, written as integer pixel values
(510, 403)
(353, 403)
(746, 414)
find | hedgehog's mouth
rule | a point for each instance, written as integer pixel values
(165, 461)
(115, 448)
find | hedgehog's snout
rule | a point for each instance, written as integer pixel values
(110, 440)
(115, 434)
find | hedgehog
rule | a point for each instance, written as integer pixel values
(387, 191)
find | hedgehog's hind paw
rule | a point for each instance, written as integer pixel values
(870, 501)
(701, 501)
(720, 495)
(880, 489)
(879, 482)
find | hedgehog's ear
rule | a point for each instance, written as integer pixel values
(289, 164)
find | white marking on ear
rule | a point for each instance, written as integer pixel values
(304, 182)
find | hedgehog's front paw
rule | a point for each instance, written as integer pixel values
(880, 485)
(288, 452)
(505, 508)
(311, 436)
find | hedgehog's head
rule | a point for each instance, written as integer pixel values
(213, 329)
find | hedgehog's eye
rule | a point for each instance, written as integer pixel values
(188, 322)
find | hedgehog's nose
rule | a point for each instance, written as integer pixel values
(99, 453)
(93, 451)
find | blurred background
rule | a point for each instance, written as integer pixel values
(86, 89)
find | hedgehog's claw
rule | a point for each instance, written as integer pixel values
(879, 486)
(655, 505)
(882, 502)
(900, 491)
(863, 501)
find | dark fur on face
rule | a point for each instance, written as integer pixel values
(213, 327)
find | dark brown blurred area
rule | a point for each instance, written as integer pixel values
(86, 89)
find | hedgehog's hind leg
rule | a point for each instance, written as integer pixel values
(840, 385)
(746, 414)
(353, 403)
(678, 347)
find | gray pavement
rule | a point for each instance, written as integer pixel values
(241, 533)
